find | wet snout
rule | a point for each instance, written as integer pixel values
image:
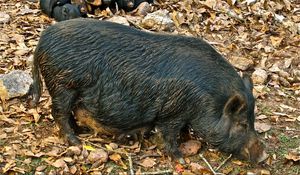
(254, 150)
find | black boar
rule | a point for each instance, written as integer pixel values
(60, 10)
(124, 79)
(66, 12)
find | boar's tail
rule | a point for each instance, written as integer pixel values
(37, 85)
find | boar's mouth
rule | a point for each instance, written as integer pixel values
(248, 148)
(254, 150)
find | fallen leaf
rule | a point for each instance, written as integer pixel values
(115, 157)
(265, 172)
(179, 168)
(35, 114)
(187, 172)
(10, 164)
(190, 147)
(59, 163)
(68, 159)
(237, 162)
(88, 147)
(98, 155)
(276, 41)
(209, 3)
(73, 169)
(261, 117)
(293, 155)
(199, 169)
(3, 92)
(41, 168)
(261, 127)
(148, 162)
(73, 150)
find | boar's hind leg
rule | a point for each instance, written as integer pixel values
(62, 105)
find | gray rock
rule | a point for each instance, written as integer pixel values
(4, 18)
(158, 20)
(259, 76)
(16, 82)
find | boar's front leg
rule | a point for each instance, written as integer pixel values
(62, 105)
(170, 130)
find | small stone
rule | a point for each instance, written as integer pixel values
(259, 76)
(17, 83)
(159, 20)
(241, 62)
(4, 18)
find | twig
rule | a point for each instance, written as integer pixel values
(156, 172)
(130, 164)
(219, 167)
(209, 166)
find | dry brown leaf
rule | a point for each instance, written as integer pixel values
(293, 155)
(190, 147)
(73, 169)
(237, 162)
(179, 168)
(199, 169)
(21, 52)
(9, 165)
(276, 41)
(59, 163)
(68, 159)
(73, 150)
(98, 155)
(35, 114)
(3, 92)
(187, 172)
(261, 127)
(148, 162)
(3, 136)
(209, 3)
(7, 120)
(115, 157)
(41, 168)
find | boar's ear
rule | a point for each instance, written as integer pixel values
(234, 105)
(248, 82)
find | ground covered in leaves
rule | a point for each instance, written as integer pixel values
(257, 36)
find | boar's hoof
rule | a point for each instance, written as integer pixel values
(72, 139)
